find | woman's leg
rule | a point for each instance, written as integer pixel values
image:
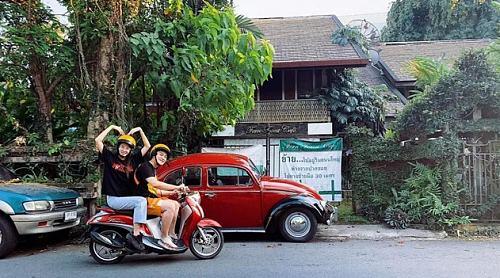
(137, 203)
(176, 207)
(168, 209)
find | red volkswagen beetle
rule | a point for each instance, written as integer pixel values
(235, 194)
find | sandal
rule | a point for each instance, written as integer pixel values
(168, 244)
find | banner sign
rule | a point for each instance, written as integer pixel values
(317, 164)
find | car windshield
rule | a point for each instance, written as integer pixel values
(255, 170)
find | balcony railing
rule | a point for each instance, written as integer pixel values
(287, 111)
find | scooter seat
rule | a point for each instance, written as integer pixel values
(129, 212)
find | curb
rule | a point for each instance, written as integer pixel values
(375, 232)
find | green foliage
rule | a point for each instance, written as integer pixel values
(415, 20)
(204, 67)
(427, 71)
(473, 84)
(422, 200)
(378, 166)
(396, 218)
(348, 34)
(246, 25)
(352, 101)
(34, 58)
(494, 48)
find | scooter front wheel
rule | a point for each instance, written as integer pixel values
(103, 254)
(207, 245)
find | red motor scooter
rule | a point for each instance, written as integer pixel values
(109, 227)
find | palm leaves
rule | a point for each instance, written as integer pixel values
(427, 71)
(246, 25)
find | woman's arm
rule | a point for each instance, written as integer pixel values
(145, 140)
(100, 138)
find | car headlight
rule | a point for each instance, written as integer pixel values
(79, 201)
(37, 205)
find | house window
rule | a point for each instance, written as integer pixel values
(272, 88)
(305, 85)
(290, 84)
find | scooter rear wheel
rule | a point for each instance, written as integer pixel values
(209, 248)
(103, 254)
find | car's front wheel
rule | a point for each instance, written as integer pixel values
(298, 225)
(8, 236)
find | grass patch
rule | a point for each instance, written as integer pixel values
(348, 216)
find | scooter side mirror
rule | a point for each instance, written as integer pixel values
(184, 173)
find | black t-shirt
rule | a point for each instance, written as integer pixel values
(143, 172)
(118, 177)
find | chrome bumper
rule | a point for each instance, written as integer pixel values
(29, 223)
(331, 214)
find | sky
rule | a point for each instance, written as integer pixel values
(286, 8)
(276, 8)
(374, 11)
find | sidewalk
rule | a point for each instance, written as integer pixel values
(374, 232)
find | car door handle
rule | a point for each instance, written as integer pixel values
(210, 195)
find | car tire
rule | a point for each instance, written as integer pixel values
(298, 225)
(8, 236)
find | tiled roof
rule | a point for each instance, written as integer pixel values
(396, 55)
(307, 39)
(370, 75)
(373, 77)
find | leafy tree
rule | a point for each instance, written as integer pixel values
(204, 69)
(352, 101)
(415, 20)
(34, 57)
(494, 48)
(472, 84)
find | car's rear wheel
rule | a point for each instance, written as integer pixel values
(298, 225)
(8, 236)
(103, 254)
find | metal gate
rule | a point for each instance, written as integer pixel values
(480, 167)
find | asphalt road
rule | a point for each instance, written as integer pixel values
(244, 256)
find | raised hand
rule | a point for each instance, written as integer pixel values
(134, 130)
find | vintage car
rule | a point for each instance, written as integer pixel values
(234, 193)
(33, 209)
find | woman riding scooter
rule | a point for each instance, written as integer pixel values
(117, 182)
(157, 193)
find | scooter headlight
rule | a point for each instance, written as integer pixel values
(196, 197)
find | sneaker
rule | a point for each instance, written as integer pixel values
(136, 242)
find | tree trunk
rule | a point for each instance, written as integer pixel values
(111, 73)
(43, 95)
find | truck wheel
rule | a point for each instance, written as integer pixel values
(8, 236)
(298, 225)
